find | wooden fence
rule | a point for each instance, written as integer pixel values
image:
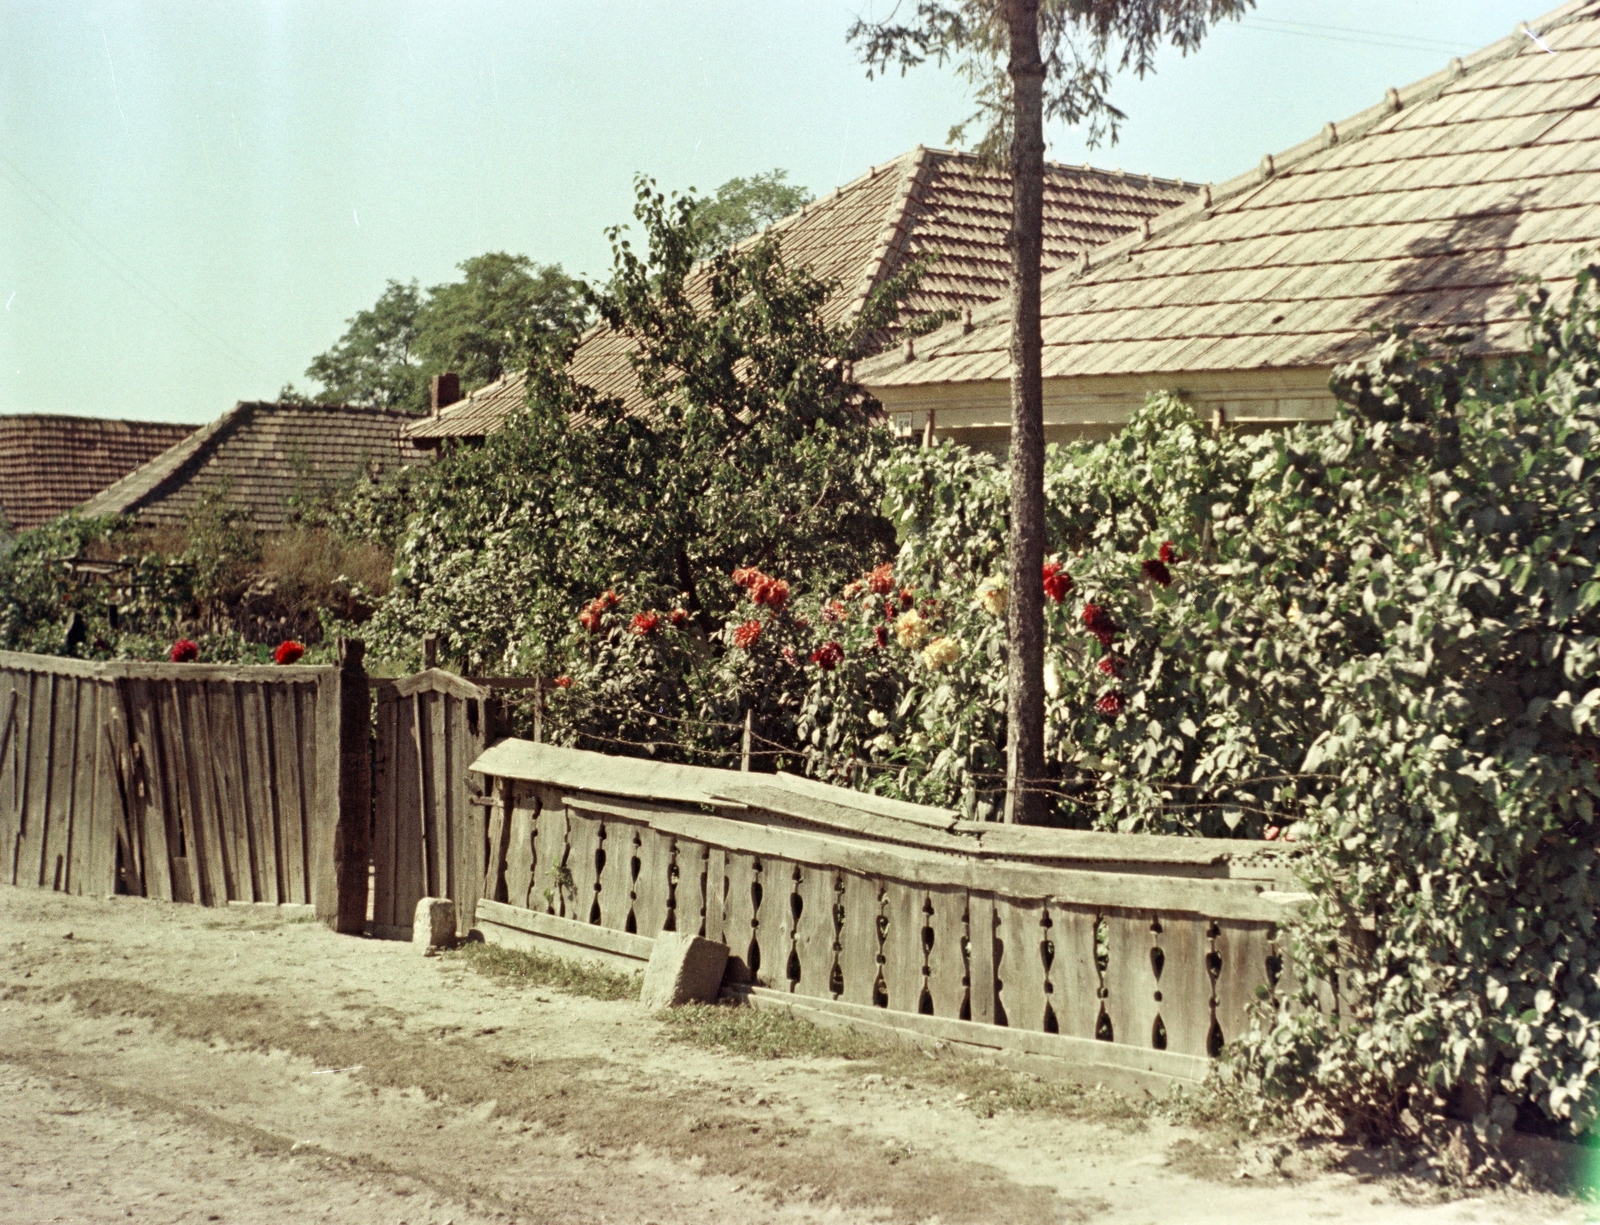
(428, 814)
(187, 782)
(1146, 947)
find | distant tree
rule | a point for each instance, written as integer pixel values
(1028, 61)
(503, 309)
(742, 207)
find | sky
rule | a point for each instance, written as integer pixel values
(195, 196)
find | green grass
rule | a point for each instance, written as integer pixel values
(539, 970)
(769, 1033)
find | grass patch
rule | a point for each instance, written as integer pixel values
(768, 1033)
(540, 970)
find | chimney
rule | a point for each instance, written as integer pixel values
(446, 391)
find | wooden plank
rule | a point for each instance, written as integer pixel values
(1242, 952)
(616, 873)
(1088, 846)
(578, 769)
(227, 776)
(1021, 967)
(321, 765)
(57, 766)
(438, 681)
(716, 894)
(767, 802)
(982, 991)
(1238, 899)
(774, 922)
(1130, 981)
(516, 878)
(652, 886)
(689, 887)
(411, 847)
(1130, 1069)
(903, 954)
(261, 794)
(468, 821)
(289, 724)
(550, 856)
(59, 665)
(947, 961)
(180, 759)
(147, 775)
(120, 795)
(1075, 972)
(864, 801)
(430, 721)
(739, 918)
(815, 933)
(564, 936)
(859, 938)
(384, 813)
(12, 770)
(1185, 984)
(81, 834)
(583, 850)
(642, 811)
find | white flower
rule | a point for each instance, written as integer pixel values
(991, 595)
(877, 718)
(1052, 679)
(883, 743)
(910, 629)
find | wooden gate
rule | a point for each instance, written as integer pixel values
(429, 828)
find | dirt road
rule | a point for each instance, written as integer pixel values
(170, 1063)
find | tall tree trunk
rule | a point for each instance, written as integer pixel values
(1025, 608)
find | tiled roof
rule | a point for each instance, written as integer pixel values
(48, 464)
(1426, 208)
(927, 202)
(261, 455)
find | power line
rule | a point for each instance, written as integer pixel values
(1353, 35)
(63, 218)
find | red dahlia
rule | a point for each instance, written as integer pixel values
(563, 682)
(827, 656)
(890, 609)
(1156, 571)
(1110, 704)
(645, 623)
(288, 652)
(881, 634)
(744, 576)
(1057, 582)
(833, 610)
(1099, 623)
(1112, 665)
(881, 580)
(908, 598)
(746, 635)
(1169, 553)
(184, 651)
(678, 616)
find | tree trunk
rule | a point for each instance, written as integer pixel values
(1025, 607)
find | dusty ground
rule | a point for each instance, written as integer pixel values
(169, 1063)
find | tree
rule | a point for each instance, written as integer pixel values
(742, 207)
(1057, 56)
(489, 322)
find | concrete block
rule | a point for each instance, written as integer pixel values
(683, 969)
(435, 924)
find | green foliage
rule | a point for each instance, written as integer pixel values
(504, 308)
(756, 449)
(743, 207)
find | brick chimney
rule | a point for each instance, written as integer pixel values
(446, 391)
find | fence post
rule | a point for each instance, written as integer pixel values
(744, 752)
(352, 835)
(430, 650)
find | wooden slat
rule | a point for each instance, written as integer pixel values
(27, 845)
(105, 803)
(616, 874)
(1130, 981)
(1021, 969)
(120, 797)
(438, 681)
(82, 833)
(774, 922)
(294, 721)
(411, 849)
(1242, 951)
(12, 770)
(1185, 984)
(517, 879)
(815, 934)
(16, 661)
(766, 800)
(469, 820)
(208, 742)
(902, 945)
(716, 893)
(947, 963)
(430, 719)
(261, 790)
(739, 917)
(982, 992)
(858, 938)
(147, 770)
(180, 761)
(548, 933)
(652, 887)
(59, 751)
(322, 754)
(550, 855)
(583, 846)
(1074, 974)
(384, 814)
(689, 893)
(227, 780)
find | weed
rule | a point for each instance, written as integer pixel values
(541, 970)
(767, 1033)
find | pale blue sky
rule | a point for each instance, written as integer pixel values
(195, 196)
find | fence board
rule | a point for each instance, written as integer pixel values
(1242, 951)
(550, 853)
(739, 918)
(517, 879)
(1021, 968)
(1075, 972)
(287, 729)
(583, 850)
(616, 873)
(155, 814)
(815, 934)
(1185, 987)
(652, 882)
(903, 945)
(859, 939)
(260, 792)
(1130, 981)
(982, 990)
(689, 886)
(716, 894)
(774, 922)
(88, 759)
(947, 959)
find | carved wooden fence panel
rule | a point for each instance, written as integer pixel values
(1160, 944)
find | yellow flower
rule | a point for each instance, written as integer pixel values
(941, 652)
(910, 629)
(991, 595)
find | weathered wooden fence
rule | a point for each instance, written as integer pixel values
(428, 814)
(1149, 950)
(187, 782)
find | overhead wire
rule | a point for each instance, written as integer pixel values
(1353, 35)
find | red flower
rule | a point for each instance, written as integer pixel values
(1271, 833)
(908, 598)
(827, 656)
(1057, 582)
(881, 633)
(744, 576)
(288, 652)
(791, 657)
(1110, 704)
(608, 600)
(833, 610)
(678, 616)
(1169, 554)
(1112, 665)
(890, 610)
(746, 635)
(184, 651)
(593, 614)
(562, 682)
(644, 624)
(1156, 571)
(773, 592)
(881, 580)
(1099, 623)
